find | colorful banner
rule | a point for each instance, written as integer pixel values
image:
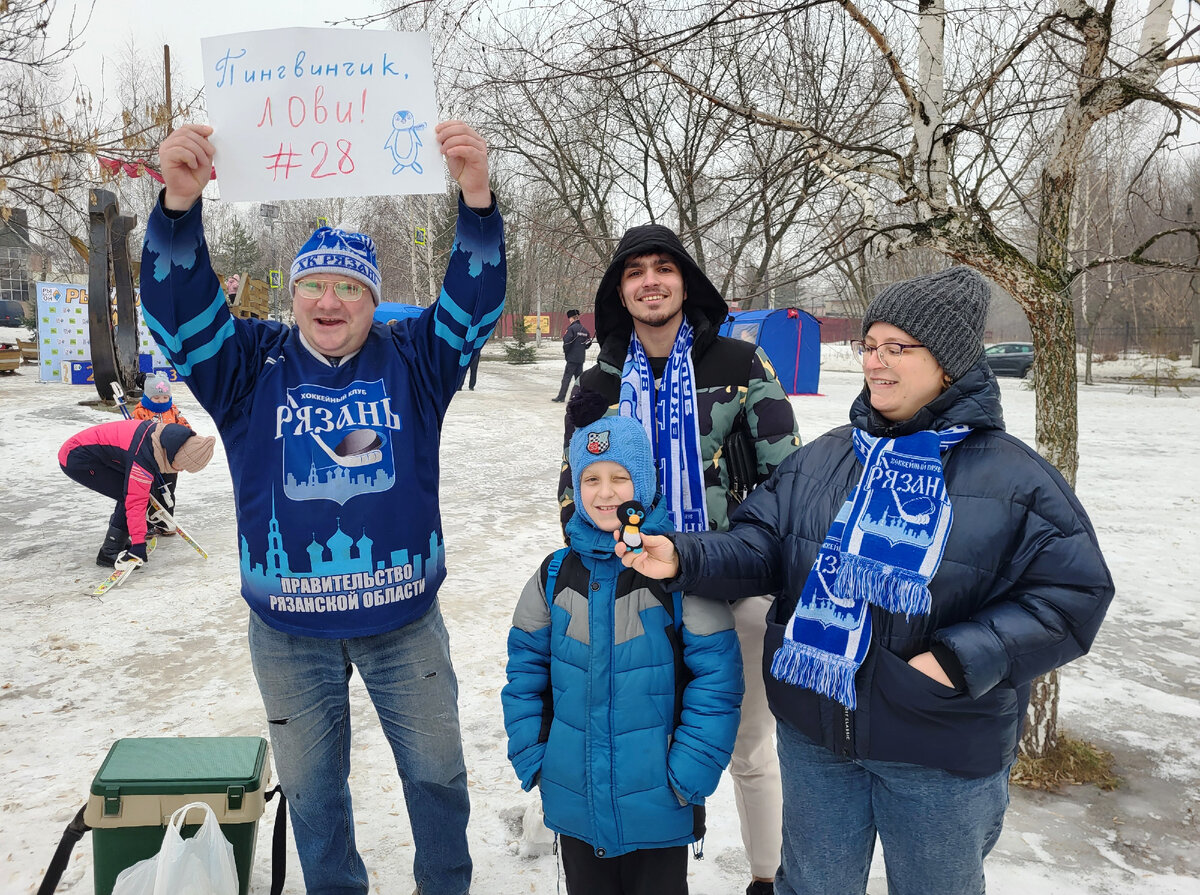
(64, 336)
(322, 112)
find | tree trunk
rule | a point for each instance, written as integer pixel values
(1044, 295)
(1056, 413)
(1056, 410)
(1056, 433)
(1090, 341)
(931, 163)
(1041, 721)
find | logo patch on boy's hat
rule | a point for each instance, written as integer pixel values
(597, 442)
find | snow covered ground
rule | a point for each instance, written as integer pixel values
(165, 654)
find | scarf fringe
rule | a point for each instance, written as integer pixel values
(889, 587)
(816, 669)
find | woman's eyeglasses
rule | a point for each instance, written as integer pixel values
(888, 352)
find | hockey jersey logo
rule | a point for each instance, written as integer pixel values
(337, 443)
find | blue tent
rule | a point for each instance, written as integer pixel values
(394, 310)
(790, 337)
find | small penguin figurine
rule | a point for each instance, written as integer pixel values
(631, 514)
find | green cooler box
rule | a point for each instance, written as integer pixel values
(143, 781)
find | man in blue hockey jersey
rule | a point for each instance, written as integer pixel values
(332, 428)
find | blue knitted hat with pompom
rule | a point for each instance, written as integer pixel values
(622, 440)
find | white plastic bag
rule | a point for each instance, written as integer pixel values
(202, 865)
(536, 839)
(137, 879)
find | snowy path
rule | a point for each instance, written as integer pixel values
(165, 654)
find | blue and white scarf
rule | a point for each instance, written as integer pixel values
(882, 549)
(672, 426)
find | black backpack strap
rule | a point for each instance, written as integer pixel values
(278, 841)
(672, 602)
(552, 564)
(738, 448)
(74, 832)
(552, 567)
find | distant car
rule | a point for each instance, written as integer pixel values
(11, 313)
(1010, 358)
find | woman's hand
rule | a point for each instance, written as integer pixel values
(656, 559)
(930, 667)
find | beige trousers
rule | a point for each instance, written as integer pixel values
(755, 764)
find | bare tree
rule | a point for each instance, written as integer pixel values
(984, 153)
(612, 150)
(971, 133)
(53, 129)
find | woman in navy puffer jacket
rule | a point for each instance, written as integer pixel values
(928, 567)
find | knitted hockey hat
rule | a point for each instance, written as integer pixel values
(946, 312)
(620, 439)
(185, 449)
(330, 250)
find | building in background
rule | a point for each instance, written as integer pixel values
(16, 252)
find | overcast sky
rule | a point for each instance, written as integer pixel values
(152, 23)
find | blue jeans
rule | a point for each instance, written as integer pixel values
(407, 672)
(935, 828)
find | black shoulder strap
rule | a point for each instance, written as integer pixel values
(672, 601)
(74, 832)
(683, 674)
(278, 841)
(552, 567)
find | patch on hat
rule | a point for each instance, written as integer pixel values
(597, 442)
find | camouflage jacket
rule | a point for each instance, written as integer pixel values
(731, 376)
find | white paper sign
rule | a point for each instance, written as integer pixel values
(318, 112)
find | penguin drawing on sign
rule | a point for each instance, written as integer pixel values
(631, 514)
(405, 142)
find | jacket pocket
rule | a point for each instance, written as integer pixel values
(915, 719)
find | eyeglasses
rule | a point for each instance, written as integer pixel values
(315, 289)
(887, 352)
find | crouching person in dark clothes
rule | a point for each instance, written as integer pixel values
(126, 460)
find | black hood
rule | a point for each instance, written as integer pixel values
(704, 306)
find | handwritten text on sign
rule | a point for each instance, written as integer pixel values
(320, 112)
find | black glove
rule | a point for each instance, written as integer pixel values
(138, 550)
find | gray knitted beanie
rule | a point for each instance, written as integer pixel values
(946, 312)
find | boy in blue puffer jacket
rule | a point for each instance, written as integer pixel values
(622, 697)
